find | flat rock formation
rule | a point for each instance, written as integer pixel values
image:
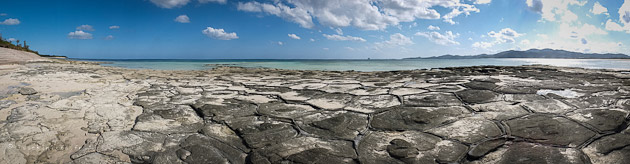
(11, 56)
(74, 113)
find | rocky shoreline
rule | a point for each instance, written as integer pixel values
(81, 113)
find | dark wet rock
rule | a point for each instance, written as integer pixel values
(27, 91)
(532, 153)
(477, 96)
(229, 108)
(548, 106)
(431, 99)
(482, 85)
(341, 126)
(610, 149)
(332, 101)
(318, 156)
(202, 149)
(604, 120)
(516, 90)
(485, 147)
(548, 129)
(522, 97)
(469, 130)
(413, 118)
(224, 134)
(296, 147)
(267, 134)
(445, 88)
(96, 158)
(282, 110)
(400, 147)
(176, 119)
(369, 104)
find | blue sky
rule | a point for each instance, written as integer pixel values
(313, 29)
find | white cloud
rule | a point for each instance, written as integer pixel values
(599, 9)
(109, 37)
(612, 26)
(215, 1)
(624, 15)
(431, 27)
(312, 40)
(343, 38)
(448, 38)
(114, 27)
(280, 43)
(219, 34)
(293, 36)
(170, 3)
(79, 35)
(363, 14)
(482, 1)
(396, 39)
(349, 48)
(11, 39)
(484, 45)
(182, 19)
(339, 31)
(325, 49)
(506, 35)
(550, 10)
(3, 14)
(297, 15)
(10, 21)
(571, 32)
(85, 27)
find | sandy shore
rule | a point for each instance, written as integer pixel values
(74, 113)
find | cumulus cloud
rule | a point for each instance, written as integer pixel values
(280, 43)
(571, 32)
(169, 4)
(613, 26)
(550, 10)
(293, 36)
(109, 37)
(312, 40)
(219, 34)
(506, 35)
(10, 21)
(448, 38)
(85, 27)
(11, 39)
(362, 14)
(535, 5)
(482, 1)
(431, 27)
(599, 9)
(215, 1)
(79, 35)
(343, 38)
(396, 39)
(114, 27)
(182, 19)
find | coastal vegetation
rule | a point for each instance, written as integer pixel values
(8, 43)
(535, 53)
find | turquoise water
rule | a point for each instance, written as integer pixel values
(358, 65)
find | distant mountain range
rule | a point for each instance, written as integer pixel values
(534, 53)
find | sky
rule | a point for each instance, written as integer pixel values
(312, 29)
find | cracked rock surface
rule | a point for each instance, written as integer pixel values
(80, 113)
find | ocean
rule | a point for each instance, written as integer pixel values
(356, 65)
